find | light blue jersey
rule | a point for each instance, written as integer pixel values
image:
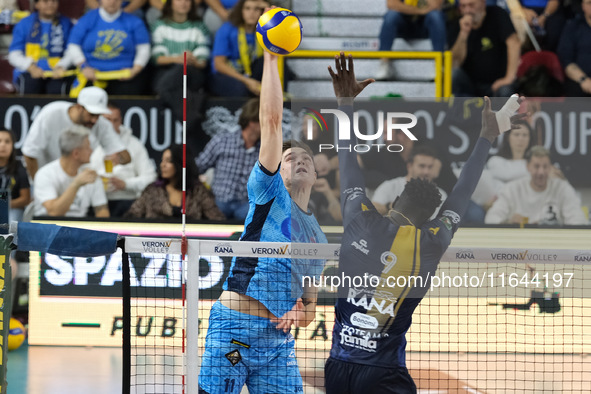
(274, 217)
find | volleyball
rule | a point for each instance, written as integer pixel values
(279, 31)
(16, 334)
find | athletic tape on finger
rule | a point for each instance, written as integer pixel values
(505, 113)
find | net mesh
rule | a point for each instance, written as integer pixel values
(156, 323)
(484, 327)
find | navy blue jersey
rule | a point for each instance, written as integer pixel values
(274, 217)
(372, 317)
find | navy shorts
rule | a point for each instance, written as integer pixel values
(342, 377)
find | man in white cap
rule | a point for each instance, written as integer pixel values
(42, 143)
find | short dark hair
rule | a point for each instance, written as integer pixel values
(296, 144)
(422, 195)
(250, 113)
(423, 150)
(167, 11)
(505, 148)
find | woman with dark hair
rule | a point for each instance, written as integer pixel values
(163, 198)
(180, 30)
(237, 65)
(507, 165)
(13, 176)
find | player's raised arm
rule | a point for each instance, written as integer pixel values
(493, 124)
(346, 88)
(271, 114)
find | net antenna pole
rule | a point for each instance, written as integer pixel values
(183, 221)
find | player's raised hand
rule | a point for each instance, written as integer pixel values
(343, 79)
(496, 123)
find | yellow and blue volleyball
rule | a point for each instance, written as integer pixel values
(16, 334)
(279, 31)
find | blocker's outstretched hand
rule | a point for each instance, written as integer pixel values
(343, 80)
(496, 123)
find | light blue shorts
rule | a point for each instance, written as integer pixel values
(243, 349)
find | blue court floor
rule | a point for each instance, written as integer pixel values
(64, 370)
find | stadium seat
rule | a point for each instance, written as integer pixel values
(545, 58)
(6, 85)
(335, 25)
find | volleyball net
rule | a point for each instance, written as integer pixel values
(493, 321)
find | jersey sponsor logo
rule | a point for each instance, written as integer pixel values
(354, 195)
(454, 217)
(357, 338)
(434, 230)
(361, 246)
(466, 254)
(364, 321)
(383, 306)
(383, 294)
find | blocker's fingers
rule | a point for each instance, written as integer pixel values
(350, 58)
(517, 117)
(343, 61)
(337, 64)
(332, 74)
(366, 82)
(487, 105)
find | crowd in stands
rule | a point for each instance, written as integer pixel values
(95, 166)
(138, 41)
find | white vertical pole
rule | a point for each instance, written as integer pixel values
(192, 349)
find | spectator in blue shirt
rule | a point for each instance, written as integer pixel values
(233, 155)
(546, 19)
(237, 56)
(574, 54)
(108, 39)
(38, 44)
